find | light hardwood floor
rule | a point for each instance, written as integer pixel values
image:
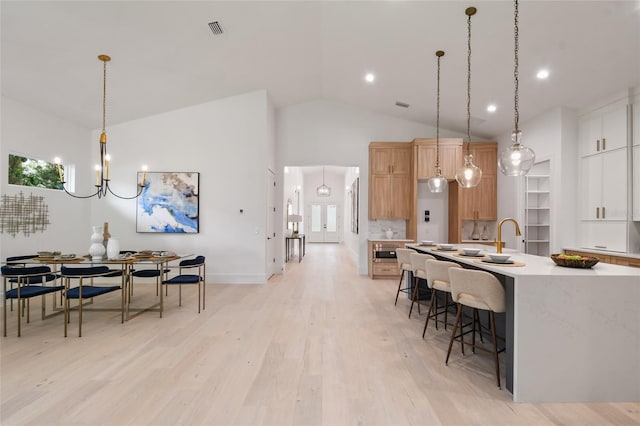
(318, 345)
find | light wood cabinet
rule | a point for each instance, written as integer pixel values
(616, 260)
(385, 268)
(481, 202)
(450, 151)
(390, 180)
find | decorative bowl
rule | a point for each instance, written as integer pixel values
(499, 257)
(468, 251)
(426, 243)
(584, 262)
(445, 246)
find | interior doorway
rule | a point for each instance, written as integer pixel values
(323, 220)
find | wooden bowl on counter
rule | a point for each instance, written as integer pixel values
(584, 262)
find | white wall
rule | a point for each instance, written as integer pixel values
(40, 135)
(330, 132)
(227, 142)
(552, 136)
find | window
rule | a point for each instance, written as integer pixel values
(31, 172)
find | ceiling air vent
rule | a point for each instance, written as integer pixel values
(216, 28)
(402, 104)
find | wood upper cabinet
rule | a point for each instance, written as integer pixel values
(450, 151)
(481, 202)
(390, 180)
(390, 160)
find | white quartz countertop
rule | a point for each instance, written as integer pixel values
(534, 265)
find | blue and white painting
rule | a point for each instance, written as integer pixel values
(168, 203)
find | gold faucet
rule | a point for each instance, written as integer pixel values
(499, 242)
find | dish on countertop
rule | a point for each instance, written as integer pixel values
(504, 262)
(447, 247)
(585, 262)
(499, 257)
(427, 243)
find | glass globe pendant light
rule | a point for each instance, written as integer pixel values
(437, 182)
(517, 159)
(469, 175)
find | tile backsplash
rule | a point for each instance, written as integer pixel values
(377, 229)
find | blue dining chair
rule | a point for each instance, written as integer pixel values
(83, 291)
(188, 279)
(30, 282)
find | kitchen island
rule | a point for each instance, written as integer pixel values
(572, 335)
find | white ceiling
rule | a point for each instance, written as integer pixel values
(165, 57)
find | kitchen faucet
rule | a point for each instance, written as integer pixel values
(499, 242)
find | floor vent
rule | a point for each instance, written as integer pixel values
(216, 28)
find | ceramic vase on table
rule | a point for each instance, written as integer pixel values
(113, 249)
(97, 250)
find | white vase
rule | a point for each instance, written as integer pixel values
(389, 233)
(97, 250)
(113, 249)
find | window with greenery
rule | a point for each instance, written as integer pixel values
(29, 172)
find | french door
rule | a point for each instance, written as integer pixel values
(323, 220)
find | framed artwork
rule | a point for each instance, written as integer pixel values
(169, 203)
(355, 199)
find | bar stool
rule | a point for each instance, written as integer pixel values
(478, 290)
(403, 255)
(418, 266)
(438, 281)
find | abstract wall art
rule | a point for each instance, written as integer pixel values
(23, 214)
(169, 203)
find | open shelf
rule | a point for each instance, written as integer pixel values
(537, 210)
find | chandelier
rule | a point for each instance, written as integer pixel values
(102, 169)
(469, 175)
(517, 159)
(323, 190)
(437, 182)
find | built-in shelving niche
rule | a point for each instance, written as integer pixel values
(537, 209)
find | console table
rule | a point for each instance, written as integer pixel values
(289, 249)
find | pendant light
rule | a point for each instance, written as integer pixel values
(102, 169)
(469, 175)
(517, 159)
(323, 190)
(437, 182)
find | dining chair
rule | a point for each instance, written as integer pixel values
(182, 279)
(18, 261)
(83, 291)
(30, 282)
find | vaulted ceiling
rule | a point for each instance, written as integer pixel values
(164, 56)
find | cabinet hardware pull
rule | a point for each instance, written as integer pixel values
(597, 212)
(603, 212)
(601, 247)
(598, 145)
(604, 141)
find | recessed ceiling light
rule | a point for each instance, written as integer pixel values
(369, 77)
(491, 108)
(542, 74)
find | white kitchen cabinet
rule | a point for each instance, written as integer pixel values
(603, 189)
(603, 235)
(636, 180)
(603, 130)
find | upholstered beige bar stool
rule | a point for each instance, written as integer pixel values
(438, 281)
(403, 255)
(478, 290)
(419, 268)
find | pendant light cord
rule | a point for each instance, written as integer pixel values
(439, 54)
(104, 96)
(469, 85)
(515, 69)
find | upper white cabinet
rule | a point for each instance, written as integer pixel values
(603, 130)
(604, 186)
